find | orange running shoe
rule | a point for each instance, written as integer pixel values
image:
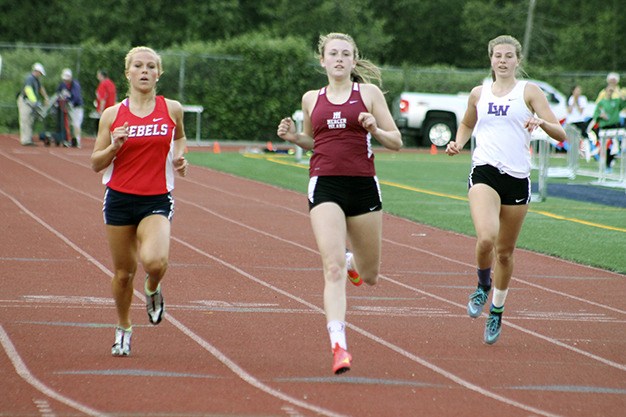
(353, 275)
(341, 360)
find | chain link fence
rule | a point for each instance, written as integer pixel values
(193, 78)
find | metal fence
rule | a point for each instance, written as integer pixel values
(180, 79)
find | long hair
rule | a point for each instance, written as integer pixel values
(364, 71)
(505, 40)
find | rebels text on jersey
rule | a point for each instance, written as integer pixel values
(148, 130)
(143, 165)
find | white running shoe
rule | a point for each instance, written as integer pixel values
(121, 347)
(155, 305)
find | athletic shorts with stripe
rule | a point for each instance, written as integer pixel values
(512, 191)
(122, 209)
(354, 195)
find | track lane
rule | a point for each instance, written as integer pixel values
(259, 254)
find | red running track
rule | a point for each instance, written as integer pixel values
(244, 333)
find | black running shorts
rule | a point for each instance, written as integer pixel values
(512, 191)
(121, 209)
(354, 195)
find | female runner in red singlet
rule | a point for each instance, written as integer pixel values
(140, 143)
(344, 193)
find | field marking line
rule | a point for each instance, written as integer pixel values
(448, 375)
(23, 371)
(240, 372)
(244, 375)
(276, 160)
(285, 240)
(554, 341)
(530, 209)
(530, 284)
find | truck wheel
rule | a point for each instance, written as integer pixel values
(439, 131)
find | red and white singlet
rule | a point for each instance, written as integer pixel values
(143, 165)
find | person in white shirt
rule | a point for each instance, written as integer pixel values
(576, 105)
(502, 115)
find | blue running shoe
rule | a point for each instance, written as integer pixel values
(492, 328)
(477, 301)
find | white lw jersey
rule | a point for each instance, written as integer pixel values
(501, 139)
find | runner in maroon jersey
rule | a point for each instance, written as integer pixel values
(140, 143)
(344, 194)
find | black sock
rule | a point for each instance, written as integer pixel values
(484, 278)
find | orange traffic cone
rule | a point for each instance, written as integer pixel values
(433, 149)
(216, 147)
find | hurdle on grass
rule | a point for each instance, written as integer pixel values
(298, 118)
(619, 136)
(572, 154)
(540, 161)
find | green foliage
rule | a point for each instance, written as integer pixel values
(246, 84)
(425, 32)
(309, 19)
(109, 57)
(389, 32)
(17, 65)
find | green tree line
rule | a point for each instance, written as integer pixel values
(248, 62)
(571, 35)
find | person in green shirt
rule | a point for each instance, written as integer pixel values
(607, 116)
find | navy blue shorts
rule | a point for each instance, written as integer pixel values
(512, 191)
(121, 209)
(354, 195)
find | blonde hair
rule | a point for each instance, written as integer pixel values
(364, 71)
(505, 40)
(129, 59)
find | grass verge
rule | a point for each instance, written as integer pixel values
(432, 189)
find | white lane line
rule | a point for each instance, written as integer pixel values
(240, 372)
(531, 284)
(248, 377)
(460, 381)
(305, 214)
(312, 250)
(411, 247)
(23, 371)
(409, 287)
(589, 355)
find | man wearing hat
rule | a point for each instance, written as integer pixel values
(612, 83)
(28, 99)
(70, 91)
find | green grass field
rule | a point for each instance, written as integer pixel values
(432, 189)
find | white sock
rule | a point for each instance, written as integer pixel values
(148, 292)
(498, 297)
(337, 333)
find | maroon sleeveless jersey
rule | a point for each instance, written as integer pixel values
(341, 145)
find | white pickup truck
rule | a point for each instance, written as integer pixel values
(426, 118)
